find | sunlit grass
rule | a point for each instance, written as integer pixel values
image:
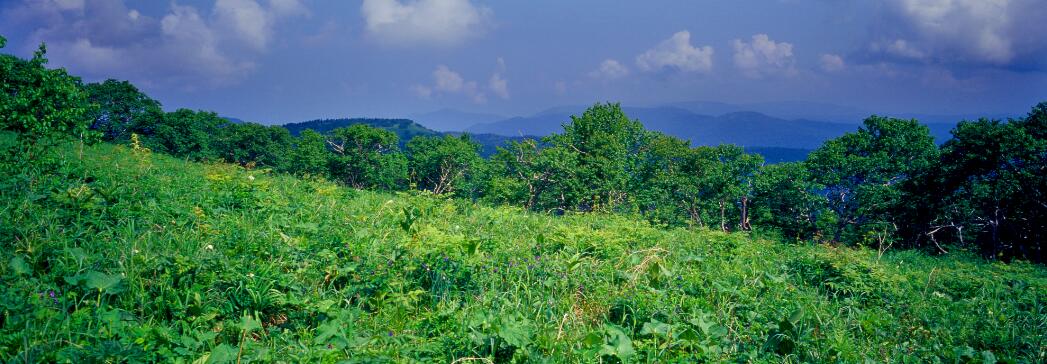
(126, 255)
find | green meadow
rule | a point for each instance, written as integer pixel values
(117, 254)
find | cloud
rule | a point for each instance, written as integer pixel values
(997, 33)
(498, 84)
(763, 57)
(182, 48)
(252, 22)
(560, 87)
(424, 22)
(831, 62)
(448, 82)
(677, 53)
(609, 70)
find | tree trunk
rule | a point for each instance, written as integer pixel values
(744, 219)
(723, 215)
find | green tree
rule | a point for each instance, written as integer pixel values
(367, 157)
(990, 189)
(666, 186)
(250, 145)
(121, 109)
(189, 134)
(861, 173)
(537, 178)
(785, 198)
(309, 155)
(444, 164)
(608, 145)
(42, 105)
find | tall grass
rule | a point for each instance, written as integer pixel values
(120, 255)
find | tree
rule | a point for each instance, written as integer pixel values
(785, 197)
(121, 109)
(538, 178)
(367, 157)
(608, 145)
(443, 164)
(861, 173)
(249, 145)
(309, 155)
(665, 189)
(187, 133)
(990, 189)
(41, 105)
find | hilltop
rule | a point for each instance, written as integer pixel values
(405, 129)
(118, 254)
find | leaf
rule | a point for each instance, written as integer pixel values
(222, 354)
(988, 357)
(249, 323)
(19, 266)
(655, 327)
(107, 283)
(616, 343)
(796, 316)
(515, 332)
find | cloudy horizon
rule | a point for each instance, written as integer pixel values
(277, 61)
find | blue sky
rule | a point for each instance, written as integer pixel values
(278, 61)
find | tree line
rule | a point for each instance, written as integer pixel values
(888, 184)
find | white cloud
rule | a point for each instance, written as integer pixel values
(560, 87)
(987, 32)
(677, 52)
(609, 70)
(181, 48)
(831, 62)
(763, 57)
(498, 84)
(447, 82)
(252, 22)
(426, 22)
(424, 92)
(247, 19)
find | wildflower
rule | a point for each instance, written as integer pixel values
(250, 275)
(390, 333)
(210, 247)
(134, 251)
(250, 178)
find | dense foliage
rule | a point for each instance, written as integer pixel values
(665, 251)
(117, 254)
(886, 185)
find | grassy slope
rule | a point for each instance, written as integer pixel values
(152, 258)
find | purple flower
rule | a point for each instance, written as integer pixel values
(51, 293)
(390, 334)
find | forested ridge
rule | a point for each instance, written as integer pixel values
(407, 264)
(886, 184)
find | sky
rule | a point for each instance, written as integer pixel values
(277, 61)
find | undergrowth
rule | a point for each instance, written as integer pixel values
(113, 254)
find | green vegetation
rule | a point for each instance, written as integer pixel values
(189, 238)
(127, 256)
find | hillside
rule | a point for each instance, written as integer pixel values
(451, 120)
(406, 129)
(734, 126)
(128, 256)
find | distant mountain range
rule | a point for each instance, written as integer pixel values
(780, 131)
(406, 129)
(453, 120)
(744, 128)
